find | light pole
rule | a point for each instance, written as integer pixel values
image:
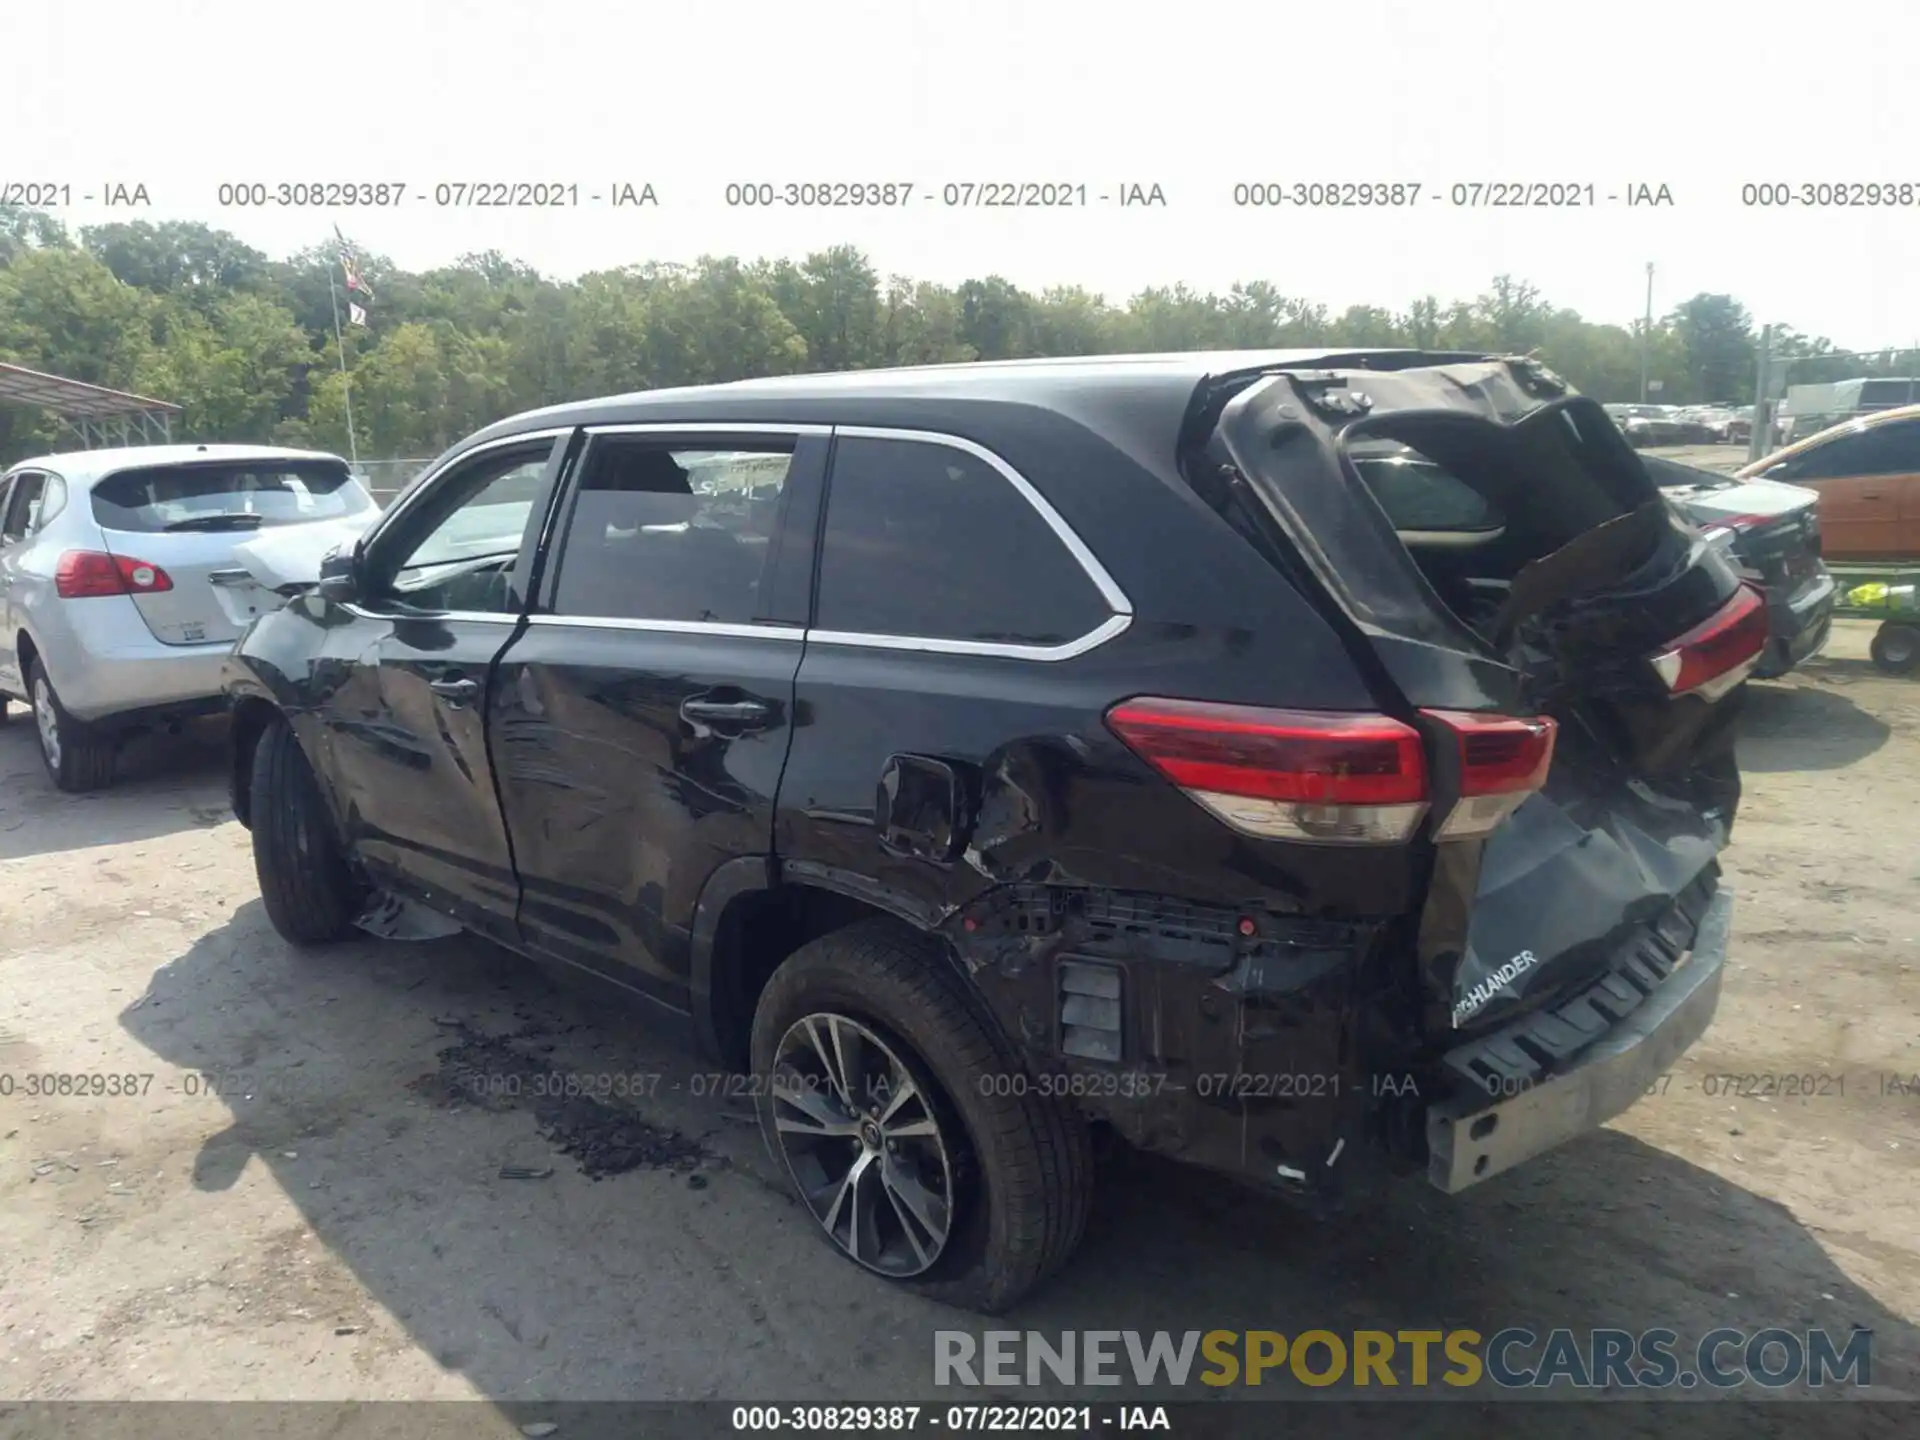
(1646, 336)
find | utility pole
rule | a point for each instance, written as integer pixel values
(1760, 438)
(1646, 337)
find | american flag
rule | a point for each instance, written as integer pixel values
(350, 268)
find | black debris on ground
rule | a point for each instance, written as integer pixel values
(492, 1073)
(607, 1141)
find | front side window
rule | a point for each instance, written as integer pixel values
(659, 530)
(473, 522)
(927, 541)
(244, 495)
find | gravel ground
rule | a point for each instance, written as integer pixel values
(356, 1208)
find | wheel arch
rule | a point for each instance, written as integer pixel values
(251, 715)
(752, 914)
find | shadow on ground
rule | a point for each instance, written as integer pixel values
(377, 1094)
(1789, 726)
(165, 784)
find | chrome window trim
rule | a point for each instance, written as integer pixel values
(737, 631)
(488, 617)
(706, 427)
(1112, 626)
(1110, 591)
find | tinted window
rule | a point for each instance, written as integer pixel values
(927, 541)
(246, 496)
(661, 532)
(1882, 394)
(1878, 450)
(1418, 494)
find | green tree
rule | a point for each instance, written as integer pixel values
(1715, 337)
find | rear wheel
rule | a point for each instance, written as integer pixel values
(78, 756)
(1896, 648)
(309, 890)
(882, 1091)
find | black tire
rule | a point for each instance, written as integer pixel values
(1896, 648)
(79, 757)
(1025, 1177)
(311, 894)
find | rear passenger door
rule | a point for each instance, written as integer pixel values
(640, 724)
(952, 653)
(1860, 478)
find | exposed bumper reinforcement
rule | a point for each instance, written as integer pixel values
(1469, 1140)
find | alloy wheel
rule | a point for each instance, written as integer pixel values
(46, 720)
(862, 1134)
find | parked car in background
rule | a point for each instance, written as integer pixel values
(975, 754)
(113, 615)
(1649, 425)
(1772, 532)
(1704, 424)
(1866, 472)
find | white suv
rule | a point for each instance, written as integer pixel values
(118, 593)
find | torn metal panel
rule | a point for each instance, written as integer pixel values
(390, 917)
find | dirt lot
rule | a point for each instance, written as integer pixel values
(333, 1223)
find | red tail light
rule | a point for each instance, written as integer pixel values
(1503, 759)
(82, 574)
(1717, 654)
(1285, 774)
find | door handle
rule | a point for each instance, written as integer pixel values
(456, 692)
(741, 714)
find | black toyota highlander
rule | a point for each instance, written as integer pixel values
(1308, 765)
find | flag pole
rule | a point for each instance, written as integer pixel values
(346, 383)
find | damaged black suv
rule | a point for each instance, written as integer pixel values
(1308, 765)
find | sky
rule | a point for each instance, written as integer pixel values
(1703, 98)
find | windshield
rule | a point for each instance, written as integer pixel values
(235, 495)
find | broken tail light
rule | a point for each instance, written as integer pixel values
(1502, 758)
(1717, 654)
(1330, 779)
(84, 574)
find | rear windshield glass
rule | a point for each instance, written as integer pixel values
(1417, 494)
(242, 495)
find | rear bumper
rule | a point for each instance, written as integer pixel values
(1472, 1137)
(1800, 624)
(108, 667)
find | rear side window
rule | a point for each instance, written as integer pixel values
(247, 495)
(22, 506)
(1872, 450)
(1884, 394)
(665, 532)
(1419, 496)
(926, 541)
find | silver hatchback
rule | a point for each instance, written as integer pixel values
(117, 594)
